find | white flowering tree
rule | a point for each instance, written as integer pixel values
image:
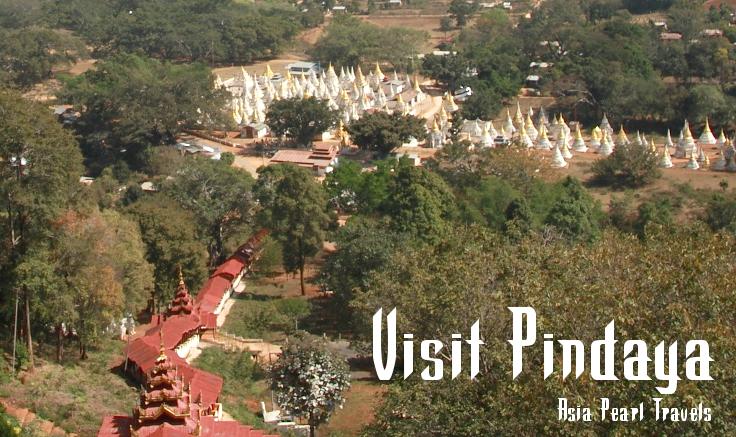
(309, 381)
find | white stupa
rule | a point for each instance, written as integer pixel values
(665, 161)
(531, 130)
(542, 139)
(686, 145)
(606, 147)
(558, 161)
(562, 144)
(622, 139)
(509, 127)
(524, 138)
(721, 163)
(579, 144)
(595, 138)
(707, 136)
(721, 141)
(692, 164)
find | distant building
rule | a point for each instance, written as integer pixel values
(670, 36)
(303, 68)
(321, 158)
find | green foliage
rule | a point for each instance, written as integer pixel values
(575, 214)
(172, 241)
(448, 70)
(227, 158)
(418, 202)
(222, 31)
(461, 10)
(381, 133)
(349, 41)
(271, 259)
(131, 104)
(240, 375)
(645, 6)
(343, 183)
(218, 195)
(720, 213)
(301, 119)
(28, 55)
(630, 165)
(662, 288)
(363, 246)
(295, 209)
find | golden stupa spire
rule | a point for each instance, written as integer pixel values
(181, 275)
(269, 72)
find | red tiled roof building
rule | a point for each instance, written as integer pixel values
(178, 399)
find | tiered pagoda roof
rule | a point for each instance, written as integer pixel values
(182, 303)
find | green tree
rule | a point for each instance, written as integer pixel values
(474, 274)
(101, 265)
(295, 209)
(630, 165)
(343, 184)
(349, 41)
(575, 213)
(40, 165)
(131, 104)
(309, 381)
(363, 246)
(382, 133)
(28, 55)
(300, 119)
(419, 203)
(172, 242)
(218, 195)
(462, 10)
(448, 70)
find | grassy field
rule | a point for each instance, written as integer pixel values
(75, 395)
(244, 383)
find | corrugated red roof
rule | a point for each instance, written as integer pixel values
(230, 268)
(210, 296)
(176, 329)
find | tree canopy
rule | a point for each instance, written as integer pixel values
(383, 133)
(130, 104)
(294, 207)
(300, 119)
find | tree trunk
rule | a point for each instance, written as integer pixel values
(82, 350)
(59, 343)
(28, 333)
(301, 279)
(312, 427)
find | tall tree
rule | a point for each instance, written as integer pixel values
(101, 265)
(300, 119)
(295, 209)
(219, 196)
(419, 202)
(40, 165)
(170, 234)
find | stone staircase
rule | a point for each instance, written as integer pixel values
(27, 418)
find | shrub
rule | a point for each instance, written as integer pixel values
(629, 166)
